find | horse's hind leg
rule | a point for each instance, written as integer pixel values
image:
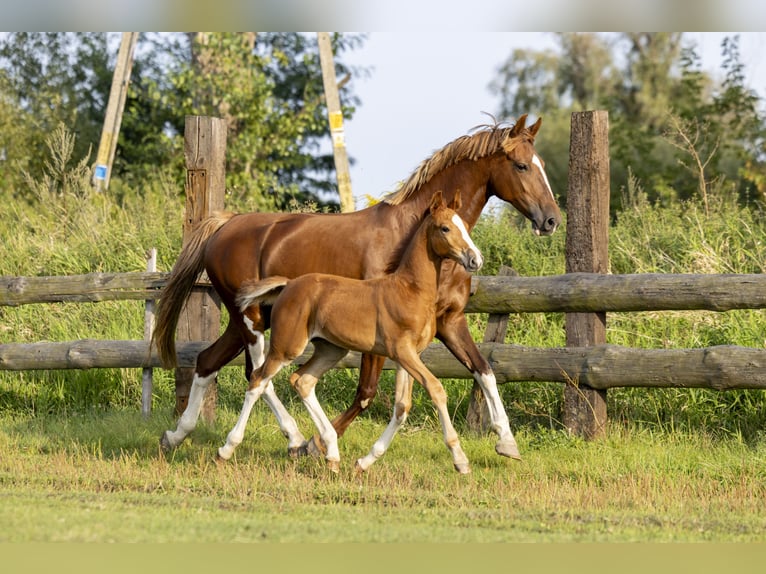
(402, 405)
(209, 361)
(304, 380)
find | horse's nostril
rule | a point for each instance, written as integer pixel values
(552, 223)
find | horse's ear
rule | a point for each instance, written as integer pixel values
(519, 126)
(456, 202)
(437, 201)
(533, 129)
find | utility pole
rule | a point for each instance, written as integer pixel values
(335, 116)
(113, 117)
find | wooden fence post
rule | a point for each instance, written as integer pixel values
(587, 251)
(147, 374)
(205, 154)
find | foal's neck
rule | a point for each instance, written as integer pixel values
(420, 266)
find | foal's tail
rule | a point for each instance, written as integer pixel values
(264, 291)
(188, 267)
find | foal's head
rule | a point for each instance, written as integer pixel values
(448, 235)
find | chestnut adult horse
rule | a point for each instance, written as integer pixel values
(392, 315)
(498, 161)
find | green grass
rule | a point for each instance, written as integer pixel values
(100, 478)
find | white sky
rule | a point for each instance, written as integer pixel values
(427, 89)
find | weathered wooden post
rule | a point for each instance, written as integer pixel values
(587, 251)
(205, 154)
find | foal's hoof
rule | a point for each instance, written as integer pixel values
(508, 448)
(463, 468)
(165, 442)
(296, 451)
(219, 460)
(312, 447)
(333, 466)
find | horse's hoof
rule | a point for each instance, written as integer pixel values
(333, 466)
(508, 448)
(463, 468)
(219, 460)
(359, 470)
(165, 442)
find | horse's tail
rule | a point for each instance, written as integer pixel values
(188, 267)
(263, 291)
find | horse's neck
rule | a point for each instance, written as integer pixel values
(470, 177)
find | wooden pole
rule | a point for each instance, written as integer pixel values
(335, 116)
(587, 251)
(147, 375)
(205, 154)
(110, 132)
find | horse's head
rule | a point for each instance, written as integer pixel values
(448, 235)
(518, 177)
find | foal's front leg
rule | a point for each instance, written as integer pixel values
(402, 405)
(411, 361)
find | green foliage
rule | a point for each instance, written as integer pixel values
(268, 87)
(668, 119)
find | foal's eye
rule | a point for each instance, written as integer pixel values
(445, 229)
(521, 166)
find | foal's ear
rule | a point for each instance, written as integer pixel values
(456, 202)
(437, 201)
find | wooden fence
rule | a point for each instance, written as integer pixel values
(587, 368)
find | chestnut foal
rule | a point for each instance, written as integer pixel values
(392, 316)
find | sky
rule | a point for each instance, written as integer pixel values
(426, 89)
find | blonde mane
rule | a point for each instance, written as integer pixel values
(484, 141)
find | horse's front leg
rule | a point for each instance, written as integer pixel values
(452, 330)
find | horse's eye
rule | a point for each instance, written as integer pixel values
(445, 229)
(521, 166)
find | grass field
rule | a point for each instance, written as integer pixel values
(99, 477)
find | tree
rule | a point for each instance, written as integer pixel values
(667, 117)
(267, 86)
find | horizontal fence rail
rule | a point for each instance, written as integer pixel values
(722, 367)
(568, 293)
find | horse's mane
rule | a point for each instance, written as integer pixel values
(481, 141)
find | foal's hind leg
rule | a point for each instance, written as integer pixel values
(369, 375)
(287, 424)
(402, 405)
(259, 381)
(209, 361)
(304, 380)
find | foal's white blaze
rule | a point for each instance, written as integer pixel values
(458, 221)
(536, 161)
